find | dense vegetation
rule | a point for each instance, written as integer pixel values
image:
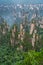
(9, 56)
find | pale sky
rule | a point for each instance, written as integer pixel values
(21, 1)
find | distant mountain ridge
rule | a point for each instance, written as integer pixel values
(16, 13)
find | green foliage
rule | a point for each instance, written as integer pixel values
(10, 56)
(27, 42)
(32, 58)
